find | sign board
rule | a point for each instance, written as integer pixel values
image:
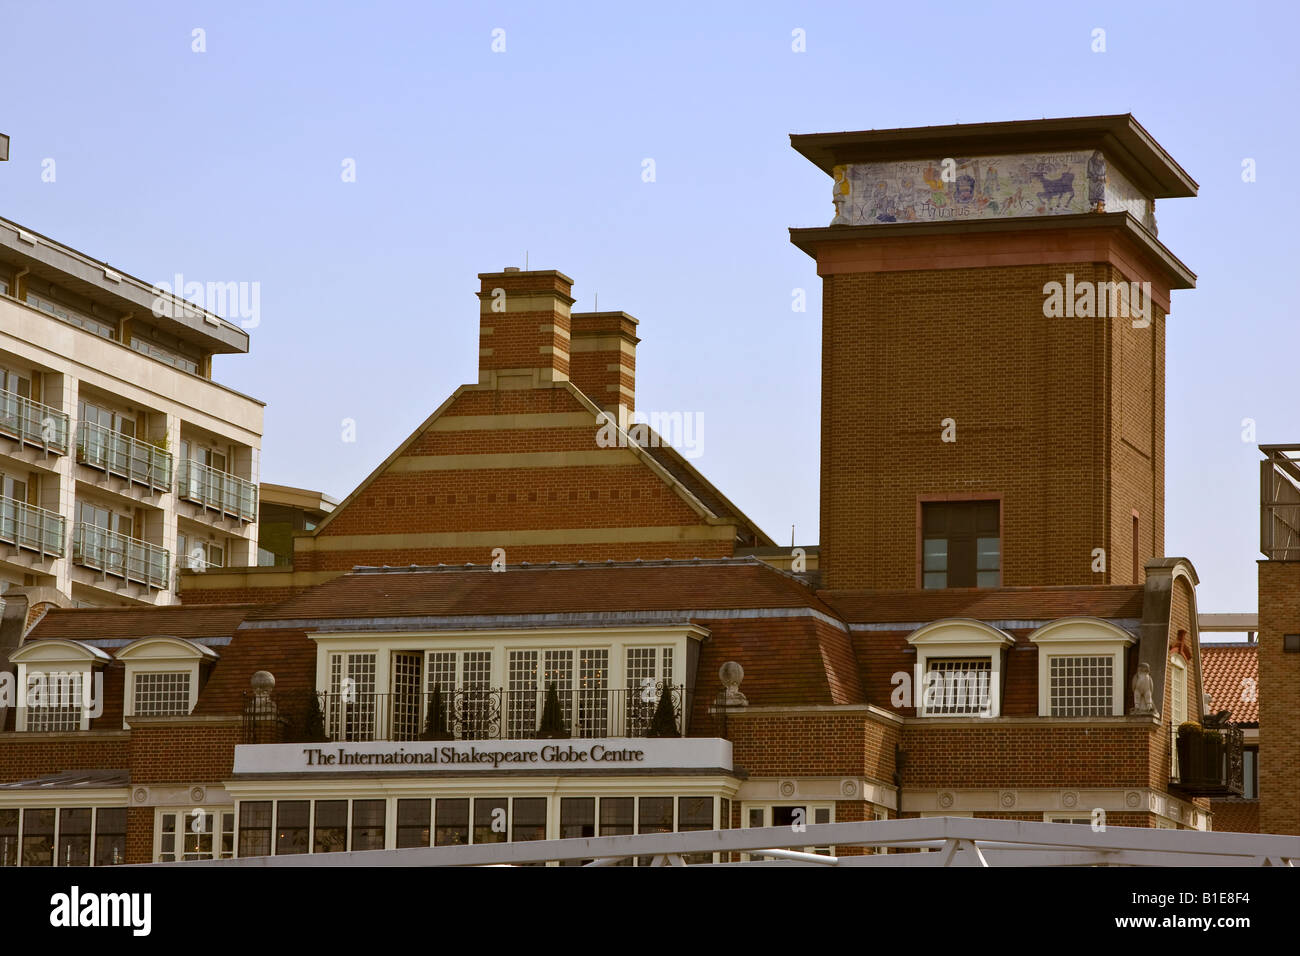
(497, 756)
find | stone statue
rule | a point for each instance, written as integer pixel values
(1143, 691)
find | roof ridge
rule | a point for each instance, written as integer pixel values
(469, 567)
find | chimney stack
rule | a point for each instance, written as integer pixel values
(603, 365)
(524, 328)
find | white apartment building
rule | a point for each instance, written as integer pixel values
(120, 459)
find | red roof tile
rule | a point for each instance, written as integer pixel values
(177, 620)
(548, 589)
(1232, 680)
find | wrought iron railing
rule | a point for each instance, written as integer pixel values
(118, 555)
(220, 490)
(458, 714)
(122, 455)
(34, 423)
(31, 528)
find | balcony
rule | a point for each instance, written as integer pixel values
(120, 556)
(33, 423)
(491, 714)
(32, 529)
(219, 490)
(124, 456)
(1209, 760)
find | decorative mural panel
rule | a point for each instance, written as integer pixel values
(985, 187)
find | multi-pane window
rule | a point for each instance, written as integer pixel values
(255, 828)
(476, 709)
(413, 822)
(649, 670)
(406, 713)
(67, 836)
(196, 554)
(71, 316)
(368, 824)
(162, 694)
(1081, 685)
(331, 827)
(521, 697)
(1177, 705)
(593, 699)
(291, 826)
(961, 544)
(958, 686)
(195, 834)
(174, 359)
(350, 714)
(57, 705)
(110, 836)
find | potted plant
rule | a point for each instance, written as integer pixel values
(435, 719)
(315, 730)
(552, 726)
(664, 721)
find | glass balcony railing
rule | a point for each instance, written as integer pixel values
(120, 556)
(220, 490)
(34, 423)
(31, 528)
(122, 455)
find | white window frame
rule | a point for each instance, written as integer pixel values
(812, 808)
(162, 655)
(1177, 679)
(957, 638)
(615, 641)
(1081, 637)
(56, 656)
(184, 820)
(93, 800)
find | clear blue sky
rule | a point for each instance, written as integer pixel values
(225, 166)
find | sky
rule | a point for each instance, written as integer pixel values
(231, 163)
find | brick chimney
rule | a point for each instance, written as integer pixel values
(523, 328)
(603, 360)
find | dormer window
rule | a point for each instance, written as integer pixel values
(959, 668)
(1081, 668)
(57, 690)
(162, 676)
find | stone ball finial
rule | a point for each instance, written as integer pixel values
(263, 683)
(731, 674)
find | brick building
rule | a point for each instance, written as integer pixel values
(571, 639)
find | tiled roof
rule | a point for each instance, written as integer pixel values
(1000, 604)
(610, 587)
(1232, 680)
(178, 620)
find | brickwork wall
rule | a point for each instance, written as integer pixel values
(1279, 689)
(139, 834)
(813, 744)
(1011, 756)
(25, 756)
(1236, 816)
(1036, 420)
(202, 753)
